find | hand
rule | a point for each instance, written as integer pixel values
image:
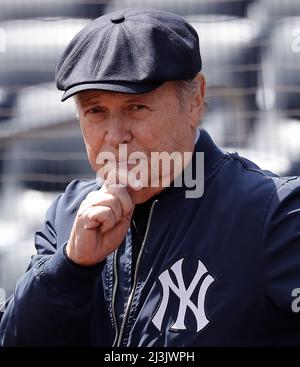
(100, 225)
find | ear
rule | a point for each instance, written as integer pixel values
(76, 110)
(196, 105)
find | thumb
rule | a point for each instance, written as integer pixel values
(118, 233)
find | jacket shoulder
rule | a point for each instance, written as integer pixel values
(77, 190)
(252, 174)
(256, 190)
(80, 186)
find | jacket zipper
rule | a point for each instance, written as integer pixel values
(118, 339)
(114, 294)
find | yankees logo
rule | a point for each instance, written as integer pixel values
(184, 294)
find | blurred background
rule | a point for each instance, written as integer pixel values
(251, 58)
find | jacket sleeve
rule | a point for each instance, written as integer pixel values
(51, 297)
(281, 249)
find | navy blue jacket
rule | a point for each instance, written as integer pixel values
(218, 270)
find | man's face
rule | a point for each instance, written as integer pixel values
(146, 123)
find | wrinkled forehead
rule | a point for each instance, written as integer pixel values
(87, 96)
(91, 94)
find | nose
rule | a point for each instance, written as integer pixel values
(117, 132)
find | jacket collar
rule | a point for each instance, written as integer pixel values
(213, 157)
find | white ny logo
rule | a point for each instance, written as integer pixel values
(184, 296)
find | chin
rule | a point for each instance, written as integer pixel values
(143, 195)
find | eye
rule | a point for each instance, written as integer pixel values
(138, 110)
(96, 113)
(95, 110)
(138, 107)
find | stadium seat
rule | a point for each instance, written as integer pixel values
(46, 150)
(24, 9)
(33, 48)
(278, 126)
(281, 67)
(187, 7)
(7, 101)
(230, 56)
(269, 11)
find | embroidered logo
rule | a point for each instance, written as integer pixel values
(184, 295)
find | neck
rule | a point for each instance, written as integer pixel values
(144, 194)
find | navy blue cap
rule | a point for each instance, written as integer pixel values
(129, 51)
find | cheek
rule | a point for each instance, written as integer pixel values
(93, 138)
(144, 134)
(153, 136)
(174, 134)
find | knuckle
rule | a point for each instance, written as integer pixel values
(107, 197)
(83, 203)
(90, 195)
(129, 206)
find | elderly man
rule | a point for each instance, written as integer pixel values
(132, 262)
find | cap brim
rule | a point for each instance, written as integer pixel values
(131, 88)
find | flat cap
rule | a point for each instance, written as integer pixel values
(129, 51)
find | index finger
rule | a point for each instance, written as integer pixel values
(122, 194)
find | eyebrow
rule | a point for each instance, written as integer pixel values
(147, 97)
(88, 101)
(85, 101)
(139, 98)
